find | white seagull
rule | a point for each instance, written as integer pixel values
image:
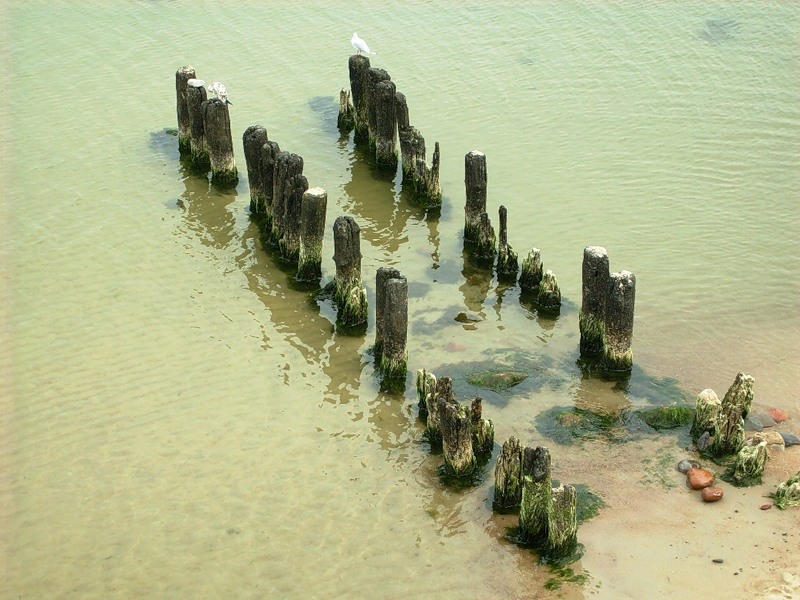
(219, 91)
(360, 45)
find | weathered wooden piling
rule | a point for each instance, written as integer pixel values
(426, 183)
(562, 524)
(350, 295)
(537, 496)
(486, 242)
(312, 232)
(706, 413)
(591, 322)
(385, 125)
(347, 113)
(269, 157)
(787, 494)
(217, 124)
(475, 181)
(530, 276)
(549, 296)
(359, 89)
(617, 352)
(455, 424)
(748, 468)
(482, 429)
(196, 97)
(253, 141)
(293, 192)
(507, 263)
(394, 358)
(408, 162)
(426, 384)
(183, 75)
(287, 165)
(374, 77)
(382, 275)
(508, 476)
(728, 434)
(442, 391)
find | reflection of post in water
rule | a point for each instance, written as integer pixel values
(207, 213)
(477, 282)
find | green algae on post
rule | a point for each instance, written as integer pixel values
(787, 494)
(456, 429)
(706, 413)
(507, 263)
(482, 429)
(350, 294)
(486, 242)
(289, 243)
(508, 476)
(728, 434)
(312, 232)
(549, 296)
(617, 352)
(595, 277)
(536, 494)
(562, 524)
(475, 179)
(394, 317)
(530, 276)
(748, 468)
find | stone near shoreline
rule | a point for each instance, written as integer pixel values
(778, 415)
(711, 494)
(790, 439)
(773, 439)
(766, 420)
(699, 478)
(687, 465)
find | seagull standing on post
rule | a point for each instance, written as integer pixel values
(360, 45)
(219, 91)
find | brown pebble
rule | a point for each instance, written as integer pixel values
(711, 494)
(699, 478)
(766, 506)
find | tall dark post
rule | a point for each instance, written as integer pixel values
(617, 352)
(183, 75)
(350, 295)
(312, 232)
(253, 140)
(269, 156)
(507, 264)
(287, 165)
(394, 358)
(217, 123)
(385, 125)
(475, 180)
(592, 321)
(196, 97)
(382, 275)
(293, 192)
(374, 77)
(359, 86)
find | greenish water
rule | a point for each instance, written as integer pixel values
(179, 421)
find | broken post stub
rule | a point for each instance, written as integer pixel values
(217, 124)
(537, 496)
(475, 181)
(507, 263)
(394, 357)
(728, 434)
(182, 76)
(787, 494)
(530, 276)
(349, 294)
(382, 275)
(253, 140)
(748, 467)
(359, 85)
(593, 306)
(312, 232)
(548, 298)
(426, 384)
(562, 524)
(443, 390)
(374, 77)
(621, 294)
(455, 424)
(482, 429)
(347, 113)
(486, 242)
(706, 414)
(508, 476)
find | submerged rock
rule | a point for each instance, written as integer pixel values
(496, 380)
(711, 494)
(699, 478)
(667, 417)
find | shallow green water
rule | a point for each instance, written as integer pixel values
(181, 422)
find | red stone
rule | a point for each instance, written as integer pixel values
(778, 415)
(711, 494)
(766, 506)
(699, 478)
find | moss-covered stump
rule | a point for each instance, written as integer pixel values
(443, 390)
(706, 413)
(482, 429)
(591, 322)
(350, 295)
(508, 476)
(353, 312)
(426, 384)
(549, 296)
(312, 232)
(617, 351)
(536, 494)
(496, 380)
(667, 417)
(507, 263)
(531, 271)
(562, 525)
(347, 113)
(787, 494)
(728, 435)
(455, 424)
(394, 357)
(748, 468)
(486, 242)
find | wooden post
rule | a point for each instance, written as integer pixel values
(385, 125)
(508, 476)
(382, 275)
(253, 140)
(617, 352)
(196, 97)
(269, 156)
(562, 523)
(394, 358)
(442, 391)
(482, 429)
(217, 124)
(287, 165)
(433, 189)
(487, 240)
(537, 497)
(456, 427)
(347, 113)
(530, 276)
(507, 263)
(426, 384)
(359, 85)
(475, 180)
(295, 188)
(592, 320)
(183, 75)
(412, 148)
(312, 232)
(748, 469)
(706, 413)
(374, 77)
(350, 295)
(728, 435)
(404, 134)
(549, 296)
(787, 494)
